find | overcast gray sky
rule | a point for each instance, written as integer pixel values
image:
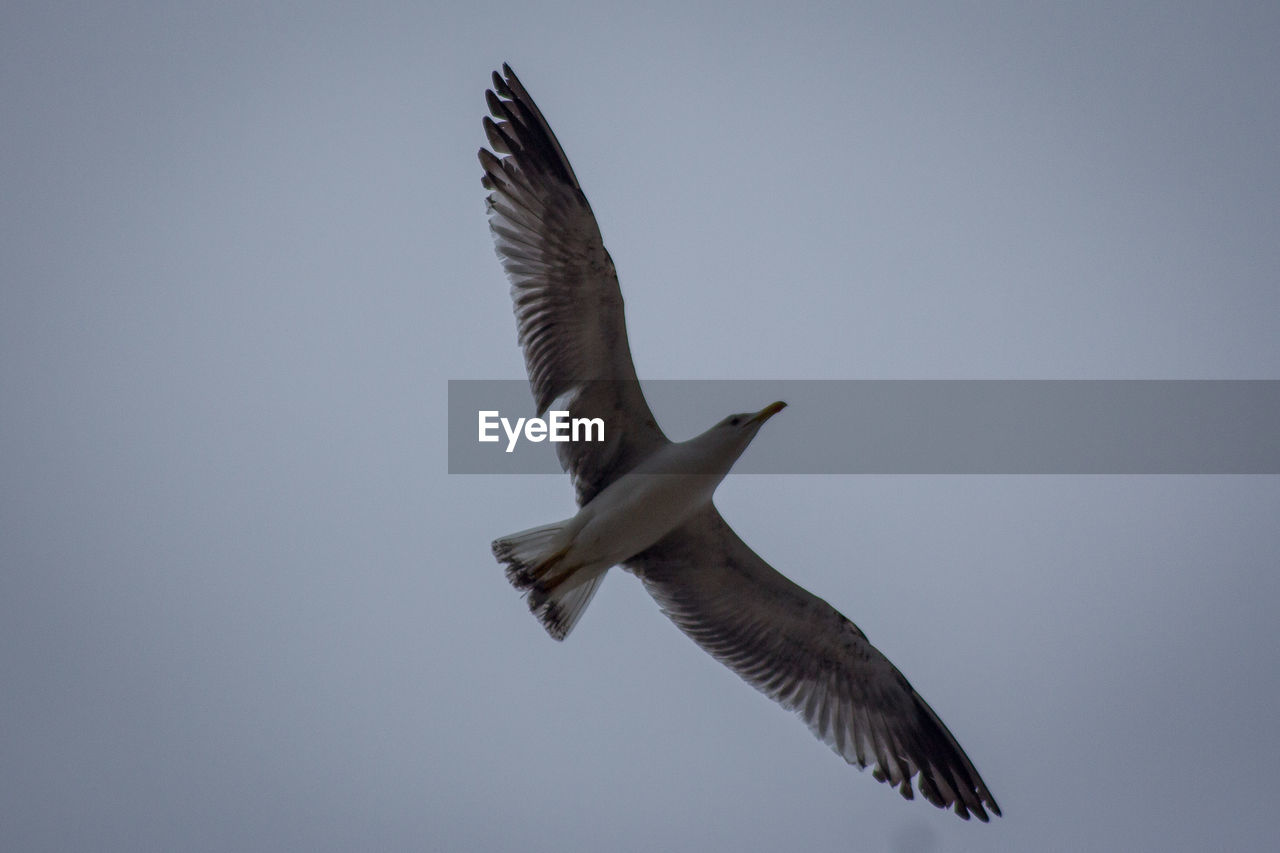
(243, 248)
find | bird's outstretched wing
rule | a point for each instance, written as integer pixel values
(801, 652)
(567, 302)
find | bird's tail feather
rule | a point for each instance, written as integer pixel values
(531, 554)
(557, 594)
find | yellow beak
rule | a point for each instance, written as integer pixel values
(768, 412)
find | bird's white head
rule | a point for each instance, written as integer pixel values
(719, 447)
(748, 423)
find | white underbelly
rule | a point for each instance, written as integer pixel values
(634, 513)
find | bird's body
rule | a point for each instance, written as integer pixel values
(646, 502)
(631, 514)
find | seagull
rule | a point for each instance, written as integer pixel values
(645, 502)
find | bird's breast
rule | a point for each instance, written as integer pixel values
(636, 511)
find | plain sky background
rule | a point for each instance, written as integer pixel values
(243, 247)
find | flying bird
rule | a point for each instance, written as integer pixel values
(646, 502)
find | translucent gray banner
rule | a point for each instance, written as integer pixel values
(914, 427)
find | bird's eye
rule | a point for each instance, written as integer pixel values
(735, 420)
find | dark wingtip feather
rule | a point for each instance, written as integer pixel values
(499, 85)
(497, 140)
(492, 166)
(511, 80)
(494, 103)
